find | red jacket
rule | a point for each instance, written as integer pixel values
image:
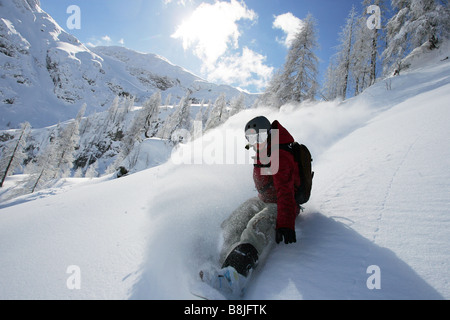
(279, 187)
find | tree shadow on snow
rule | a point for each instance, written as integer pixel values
(330, 262)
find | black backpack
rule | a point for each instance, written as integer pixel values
(303, 158)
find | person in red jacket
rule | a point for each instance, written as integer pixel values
(259, 222)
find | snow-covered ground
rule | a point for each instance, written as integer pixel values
(380, 199)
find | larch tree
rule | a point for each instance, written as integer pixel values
(298, 80)
(13, 153)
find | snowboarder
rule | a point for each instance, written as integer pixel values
(258, 223)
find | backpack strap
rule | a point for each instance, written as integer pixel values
(262, 165)
(289, 147)
(266, 187)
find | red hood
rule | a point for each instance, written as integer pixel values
(284, 136)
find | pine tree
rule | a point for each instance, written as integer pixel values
(43, 170)
(91, 172)
(298, 80)
(237, 104)
(180, 119)
(13, 153)
(354, 67)
(363, 60)
(414, 23)
(206, 113)
(168, 100)
(374, 36)
(197, 128)
(330, 88)
(66, 144)
(344, 56)
(428, 20)
(149, 113)
(113, 124)
(140, 127)
(112, 111)
(272, 95)
(396, 35)
(218, 113)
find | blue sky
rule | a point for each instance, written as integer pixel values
(237, 42)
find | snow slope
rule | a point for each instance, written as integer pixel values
(380, 198)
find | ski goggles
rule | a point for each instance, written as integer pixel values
(254, 138)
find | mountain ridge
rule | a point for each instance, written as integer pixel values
(47, 73)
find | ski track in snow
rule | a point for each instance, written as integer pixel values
(389, 188)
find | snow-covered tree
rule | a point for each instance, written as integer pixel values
(237, 104)
(129, 104)
(78, 173)
(113, 124)
(13, 153)
(344, 55)
(148, 114)
(414, 23)
(66, 144)
(396, 34)
(42, 170)
(354, 67)
(364, 59)
(330, 88)
(92, 171)
(271, 96)
(112, 111)
(374, 36)
(168, 100)
(207, 113)
(179, 119)
(429, 21)
(139, 128)
(298, 79)
(197, 128)
(218, 113)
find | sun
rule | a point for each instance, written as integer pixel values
(212, 28)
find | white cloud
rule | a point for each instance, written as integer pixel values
(212, 28)
(290, 24)
(103, 41)
(106, 38)
(246, 69)
(212, 33)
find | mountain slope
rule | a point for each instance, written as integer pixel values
(47, 74)
(380, 198)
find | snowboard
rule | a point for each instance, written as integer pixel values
(220, 284)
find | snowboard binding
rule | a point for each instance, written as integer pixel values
(243, 258)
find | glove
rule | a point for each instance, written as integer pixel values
(287, 234)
